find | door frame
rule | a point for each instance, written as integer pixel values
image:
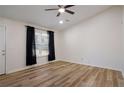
(5, 68)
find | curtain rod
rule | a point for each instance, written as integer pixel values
(38, 28)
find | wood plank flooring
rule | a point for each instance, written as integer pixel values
(63, 74)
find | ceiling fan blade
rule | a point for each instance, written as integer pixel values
(51, 9)
(58, 14)
(68, 6)
(68, 11)
(59, 6)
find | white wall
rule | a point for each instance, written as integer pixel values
(16, 45)
(96, 41)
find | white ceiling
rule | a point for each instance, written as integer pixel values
(35, 14)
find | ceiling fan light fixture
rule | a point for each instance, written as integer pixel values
(61, 10)
(61, 22)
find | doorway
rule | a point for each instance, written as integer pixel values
(2, 49)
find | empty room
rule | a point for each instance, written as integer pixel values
(61, 46)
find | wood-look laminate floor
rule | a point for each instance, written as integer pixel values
(63, 74)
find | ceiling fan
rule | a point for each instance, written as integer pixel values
(62, 9)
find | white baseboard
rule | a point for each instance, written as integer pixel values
(27, 67)
(66, 60)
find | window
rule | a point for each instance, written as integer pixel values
(41, 40)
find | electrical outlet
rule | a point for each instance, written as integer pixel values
(82, 59)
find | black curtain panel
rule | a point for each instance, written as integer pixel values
(30, 46)
(51, 55)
